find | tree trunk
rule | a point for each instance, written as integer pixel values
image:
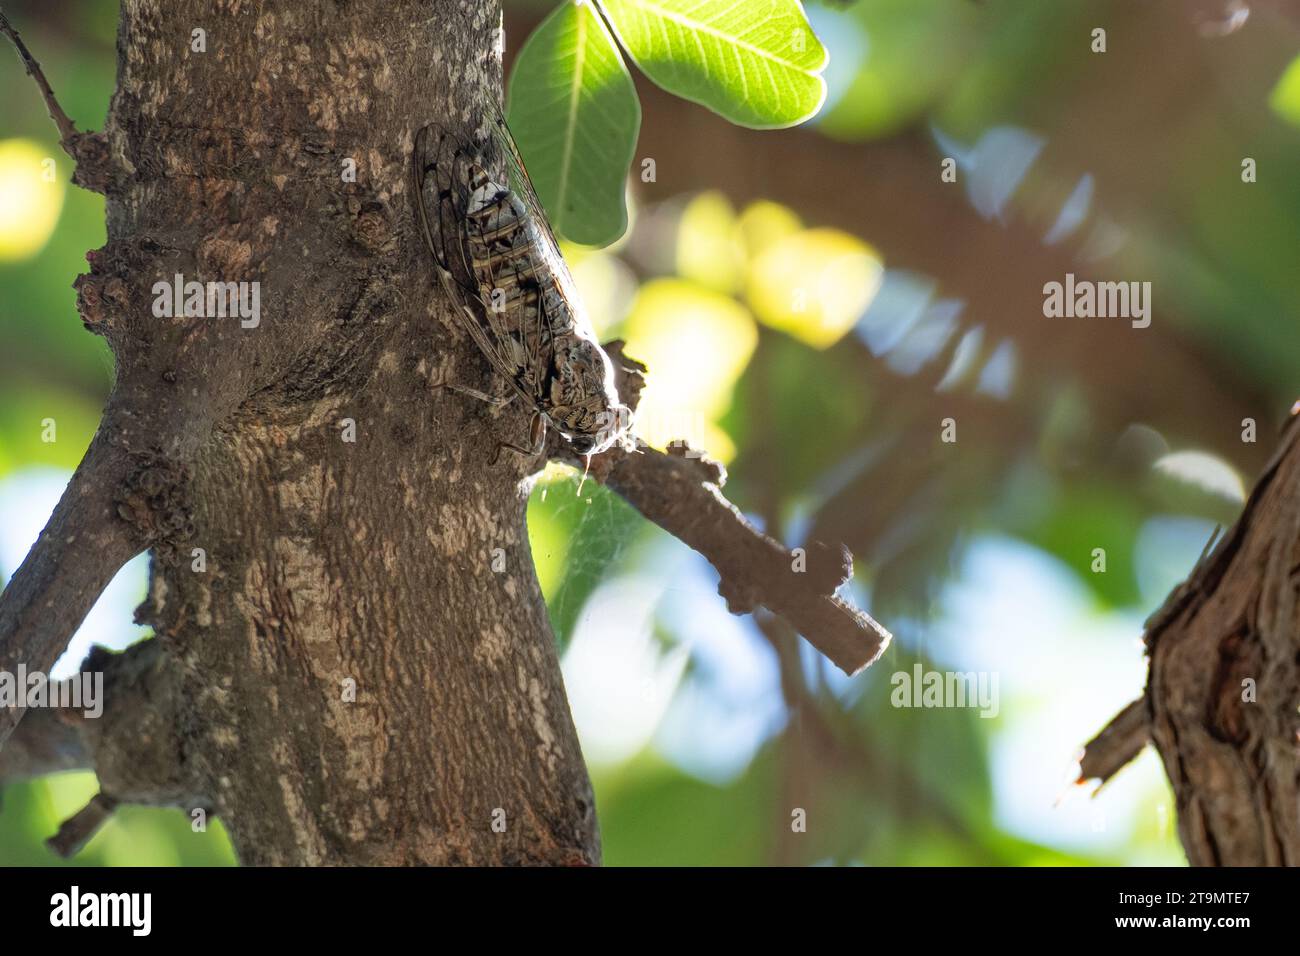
(347, 511)
(1225, 683)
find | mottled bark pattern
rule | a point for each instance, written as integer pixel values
(1235, 763)
(328, 560)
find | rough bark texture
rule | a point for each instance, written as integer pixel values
(1223, 691)
(1225, 683)
(328, 561)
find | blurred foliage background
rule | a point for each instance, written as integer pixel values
(812, 304)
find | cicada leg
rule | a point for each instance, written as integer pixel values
(496, 401)
(537, 429)
(537, 433)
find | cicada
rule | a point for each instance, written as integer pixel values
(499, 261)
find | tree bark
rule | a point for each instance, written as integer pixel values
(350, 674)
(328, 561)
(367, 561)
(1224, 685)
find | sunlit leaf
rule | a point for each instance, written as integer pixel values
(1285, 99)
(707, 248)
(815, 284)
(756, 63)
(548, 535)
(763, 223)
(696, 343)
(575, 115)
(31, 197)
(1203, 471)
(576, 540)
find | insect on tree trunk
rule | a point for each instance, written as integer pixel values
(347, 679)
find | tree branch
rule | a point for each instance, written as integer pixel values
(1120, 741)
(76, 831)
(134, 745)
(88, 150)
(684, 497)
(681, 492)
(84, 544)
(66, 130)
(1221, 688)
(45, 743)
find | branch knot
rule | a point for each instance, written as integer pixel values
(94, 166)
(155, 501)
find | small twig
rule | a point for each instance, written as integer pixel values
(75, 832)
(67, 132)
(682, 496)
(1119, 742)
(681, 493)
(93, 168)
(45, 743)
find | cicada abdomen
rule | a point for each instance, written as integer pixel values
(495, 252)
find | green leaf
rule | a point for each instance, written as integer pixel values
(574, 113)
(756, 63)
(652, 814)
(578, 544)
(1285, 98)
(888, 93)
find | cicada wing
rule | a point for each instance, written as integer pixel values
(520, 181)
(440, 179)
(503, 243)
(548, 247)
(440, 197)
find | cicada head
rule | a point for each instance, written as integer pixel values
(584, 400)
(597, 431)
